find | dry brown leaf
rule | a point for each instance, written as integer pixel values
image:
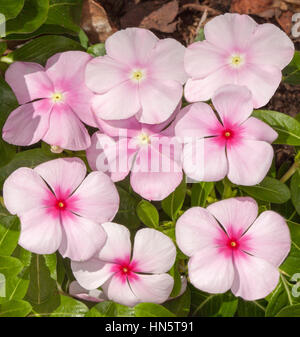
(94, 21)
(250, 6)
(285, 21)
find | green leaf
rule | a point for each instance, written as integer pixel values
(200, 36)
(151, 310)
(203, 304)
(173, 203)
(229, 306)
(3, 47)
(9, 234)
(32, 16)
(10, 9)
(127, 210)
(69, 307)
(62, 16)
(51, 262)
(7, 152)
(10, 266)
(8, 101)
(200, 192)
(295, 190)
(148, 214)
(174, 272)
(29, 158)
(97, 49)
(290, 311)
(270, 189)
(14, 308)
(291, 73)
(250, 309)
(288, 128)
(110, 309)
(17, 286)
(42, 291)
(40, 49)
(180, 306)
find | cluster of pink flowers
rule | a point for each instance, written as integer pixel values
(132, 95)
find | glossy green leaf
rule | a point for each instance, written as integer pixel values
(180, 306)
(288, 128)
(97, 49)
(10, 9)
(14, 308)
(3, 47)
(229, 306)
(51, 263)
(173, 203)
(295, 190)
(40, 49)
(10, 266)
(127, 210)
(250, 308)
(203, 304)
(32, 16)
(148, 214)
(7, 152)
(69, 307)
(110, 309)
(8, 101)
(270, 189)
(151, 310)
(17, 286)
(9, 234)
(291, 73)
(290, 311)
(62, 16)
(200, 192)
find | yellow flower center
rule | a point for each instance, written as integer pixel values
(125, 270)
(57, 97)
(144, 138)
(61, 204)
(233, 244)
(227, 134)
(137, 75)
(236, 60)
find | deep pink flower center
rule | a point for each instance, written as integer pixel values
(232, 243)
(125, 270)
(61, 204)
(227, 134)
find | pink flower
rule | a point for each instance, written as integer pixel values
(239, 51)
(61, 209)
(231, 249)
(237, 146)
(140, 76)
(55, 102)
(125, 278)
(153, 156)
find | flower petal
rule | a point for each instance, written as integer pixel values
(159, 99)
(63, 175)
(233, 104)
(167, 61)
(255, 129)
(156, 172)
(262, 80)
(230, 30)
(67, 70)
(93, 295)
(270, 45)
(121, 102)
(254, 278)
(66, 130)
(96, 198)
(249, 162)
(103, 73)
(27, 124)
(131, 45)
(205, 160)
(228, 213)
(118, 244)
(196, 120)
(23, 191)
(202, 89)
(152, 288)
(202, 58)
(269, 238)
(118, 291)
(28, 81)
(82, 238)
(196, 229)
(153, 251)
(211, 271)
(40, 231)
(93, 273)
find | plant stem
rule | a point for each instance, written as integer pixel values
(291, 171)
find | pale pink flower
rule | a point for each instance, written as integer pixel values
(140, 76)
(94, 295)
(231, 249)
(151, 153)
(54, 102)
(61, 209)
(235, 145)
(130, 278)
(237, 50)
